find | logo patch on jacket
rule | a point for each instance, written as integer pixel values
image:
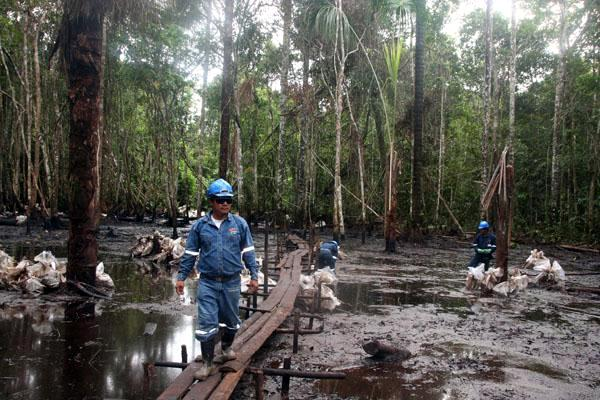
(232, 231)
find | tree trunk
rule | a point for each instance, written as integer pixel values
(487, 93)
(31, 194)
(417, 156)
(556, 121)
(226, 89)
(239, 169)
(203, 123)
(84, 71)
(37, 118)
(511, 107)
(391, 200)
(304, 133)
(339, 63)
(286, 9)
(441, 151)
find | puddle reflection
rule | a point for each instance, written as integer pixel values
(384, 381)
(363, 297)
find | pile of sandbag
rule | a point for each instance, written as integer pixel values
(44, 273)
(261, 277)
(550, 272)
(487, 281)
(516, 281)
(309, 288)
(159, 248)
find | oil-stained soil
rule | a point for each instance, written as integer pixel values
(539, 344)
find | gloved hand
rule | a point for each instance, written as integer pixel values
(179, 285)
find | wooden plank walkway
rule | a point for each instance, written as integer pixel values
(253, 333)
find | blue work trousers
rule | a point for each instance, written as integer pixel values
(325, 259)
(218, 302)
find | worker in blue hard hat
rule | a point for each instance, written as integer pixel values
(222, 240)
(329, 252)
(484, 245)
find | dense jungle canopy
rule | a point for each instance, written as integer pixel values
(342, 111)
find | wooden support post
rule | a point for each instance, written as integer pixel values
(503, 205)
(296, 373)
(311, 244)
(259, 381)
(319, 297)
(296, 332)
(147, 378)
(184, 355)
(266, 259)
(248, 308)
(285, 381)
(255, 300)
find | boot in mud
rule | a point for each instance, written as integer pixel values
(226, 342)
(208, 367)
(227, 355)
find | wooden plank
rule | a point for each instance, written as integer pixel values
(259, 326)
(255, 336)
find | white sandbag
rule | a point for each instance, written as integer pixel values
(33, 286)
(557, 271)
(6, 261)
(51, 279)
(47, 258)
(307, 282)
(325, 276)
(102, 278)
(502, 288)
(261, 280)
(38, 270)
(470, 282)
(178, 249)
(519, 282)
(328, 300)
(477, 272)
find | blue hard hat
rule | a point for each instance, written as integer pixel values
(219, 188)
(334, 242)
(483, 225)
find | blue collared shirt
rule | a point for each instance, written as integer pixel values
(221, 250)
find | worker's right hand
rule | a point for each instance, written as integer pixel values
(179, 285)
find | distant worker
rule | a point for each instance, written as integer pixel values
(329, 252)
(484, 245)
(222, 240)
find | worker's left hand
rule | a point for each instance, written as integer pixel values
(252, 286)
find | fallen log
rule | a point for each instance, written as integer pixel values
(380, 349)
(578, 248)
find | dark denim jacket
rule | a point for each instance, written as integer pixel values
(221, 249)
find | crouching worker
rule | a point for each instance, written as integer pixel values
(329, 252)
(484, 245)
(221, 240)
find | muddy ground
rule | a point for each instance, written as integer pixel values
(540, 344)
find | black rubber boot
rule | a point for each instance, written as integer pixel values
(208, 368)
(226, 341)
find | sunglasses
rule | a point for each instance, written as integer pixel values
(223, 200)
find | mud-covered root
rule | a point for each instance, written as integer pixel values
(379, 349)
